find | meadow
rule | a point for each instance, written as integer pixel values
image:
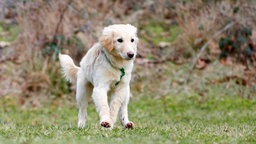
(193, 82)
(218, 116)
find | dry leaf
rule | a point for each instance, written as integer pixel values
(34, 123)
(163, 44)
(202, 63)
(4, 44)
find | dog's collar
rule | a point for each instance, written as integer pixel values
(109, 61)
(121, 69)
(121, 76)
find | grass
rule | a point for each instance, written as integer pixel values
(161, 33)
(170, 119)
(12, 31)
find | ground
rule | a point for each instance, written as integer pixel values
(170, 119)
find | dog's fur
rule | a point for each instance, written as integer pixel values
(99, 75)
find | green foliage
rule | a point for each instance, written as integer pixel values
(245, 31)
(223, 42)
(52, 48)
(174, 32)
(1, 29)
(236, 10)
(58, 85)
(238, 44)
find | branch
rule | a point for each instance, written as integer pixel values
(61, 18)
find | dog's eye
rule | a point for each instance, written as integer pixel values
(132, 40)
(120, 40)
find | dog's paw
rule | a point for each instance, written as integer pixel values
(129, 125)
(81, 124)
(105, 124)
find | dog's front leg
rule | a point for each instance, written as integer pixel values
(119, 102)
(124, 113)
(116, 100)
(101, 102)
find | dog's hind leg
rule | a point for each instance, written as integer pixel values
(83, 92)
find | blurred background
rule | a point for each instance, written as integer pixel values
(187, 47)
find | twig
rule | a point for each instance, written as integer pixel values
(61, 18)
(207, 43)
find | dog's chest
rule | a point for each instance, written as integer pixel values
(118, 77)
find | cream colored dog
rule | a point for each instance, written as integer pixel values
(105, 70)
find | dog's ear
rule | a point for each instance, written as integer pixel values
(107, 39)
(107, 42)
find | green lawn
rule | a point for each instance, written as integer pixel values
(170, 119)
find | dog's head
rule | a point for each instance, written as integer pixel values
(120, 40)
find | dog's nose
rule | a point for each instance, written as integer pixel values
(130, 54)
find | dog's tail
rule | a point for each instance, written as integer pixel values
(69, 69)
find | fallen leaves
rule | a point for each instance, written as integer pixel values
(164, 44)
(247, 79)
(202, 63)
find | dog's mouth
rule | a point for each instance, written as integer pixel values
(128, 58)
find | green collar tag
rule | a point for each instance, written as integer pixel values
(121, 76)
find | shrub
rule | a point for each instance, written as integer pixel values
(238, 44)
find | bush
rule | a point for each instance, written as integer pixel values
(238, 44)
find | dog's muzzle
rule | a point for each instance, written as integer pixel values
(130, 54)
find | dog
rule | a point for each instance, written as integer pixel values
(105, 70)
